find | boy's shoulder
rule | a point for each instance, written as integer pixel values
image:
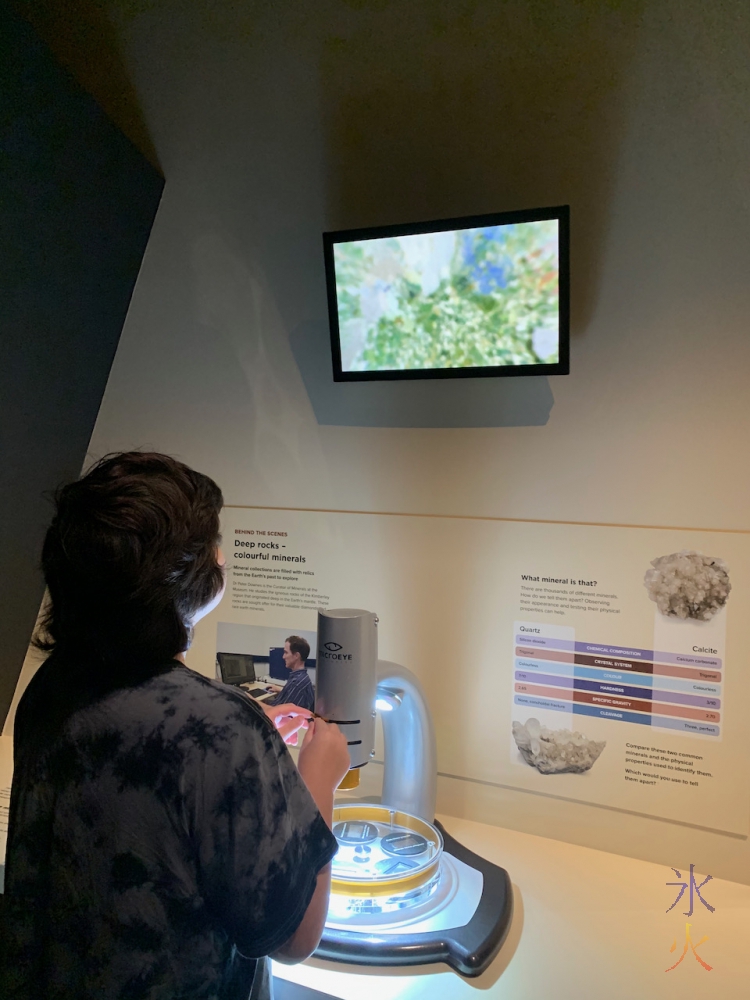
(190, 690)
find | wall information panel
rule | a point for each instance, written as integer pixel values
(599, 664)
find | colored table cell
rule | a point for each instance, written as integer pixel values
(676, 698)
(624, 652)
(543, 642)
(607, 687)
(688, 660)
(688, 687)
(685, 725)
(545, 654)
(611, 701)
(695, 673)
(613, 676)
(683, 712)
(534, 678)
(530, 702)
(614, 663)
(612, 713)
(540, 691)
(562, 669)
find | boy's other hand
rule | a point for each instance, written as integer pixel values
(288, 719)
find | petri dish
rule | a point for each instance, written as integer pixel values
(387, 859)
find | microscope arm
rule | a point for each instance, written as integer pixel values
(410, 778)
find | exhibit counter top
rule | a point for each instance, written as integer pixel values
(587, 925)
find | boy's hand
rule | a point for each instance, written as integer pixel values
(288, 719)
(323, 759)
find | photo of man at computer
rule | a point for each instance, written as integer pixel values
(298, 690)
(273, 667)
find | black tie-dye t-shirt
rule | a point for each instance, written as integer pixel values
(161, 840)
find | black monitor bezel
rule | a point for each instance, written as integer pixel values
(236, 682)
(562, 367)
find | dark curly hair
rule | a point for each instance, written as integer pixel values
(129, 558)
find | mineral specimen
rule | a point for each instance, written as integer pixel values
(688, 585)
(553, 751)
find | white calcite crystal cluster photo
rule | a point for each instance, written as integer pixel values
(688, 585)
(555, 751)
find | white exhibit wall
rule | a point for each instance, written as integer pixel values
(649, 426)
(453, 596)
(276, 124)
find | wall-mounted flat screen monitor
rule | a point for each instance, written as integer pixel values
(479, 296)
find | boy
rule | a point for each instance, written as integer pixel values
(161, 842)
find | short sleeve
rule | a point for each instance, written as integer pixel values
(261, 838)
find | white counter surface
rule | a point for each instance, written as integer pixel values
(588, 926)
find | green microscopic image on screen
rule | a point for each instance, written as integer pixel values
(482, 297)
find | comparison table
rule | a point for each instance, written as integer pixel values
(673, 691)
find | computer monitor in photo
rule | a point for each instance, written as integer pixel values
(236, 668)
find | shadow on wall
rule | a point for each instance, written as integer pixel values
(435, 111)
(464, 402)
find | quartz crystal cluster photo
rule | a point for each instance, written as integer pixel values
(688, 585)
(555, 751)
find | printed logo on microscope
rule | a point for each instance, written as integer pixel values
(331, 651)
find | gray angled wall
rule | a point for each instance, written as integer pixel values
(77, 204)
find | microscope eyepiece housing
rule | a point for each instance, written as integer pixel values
(346, 676)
